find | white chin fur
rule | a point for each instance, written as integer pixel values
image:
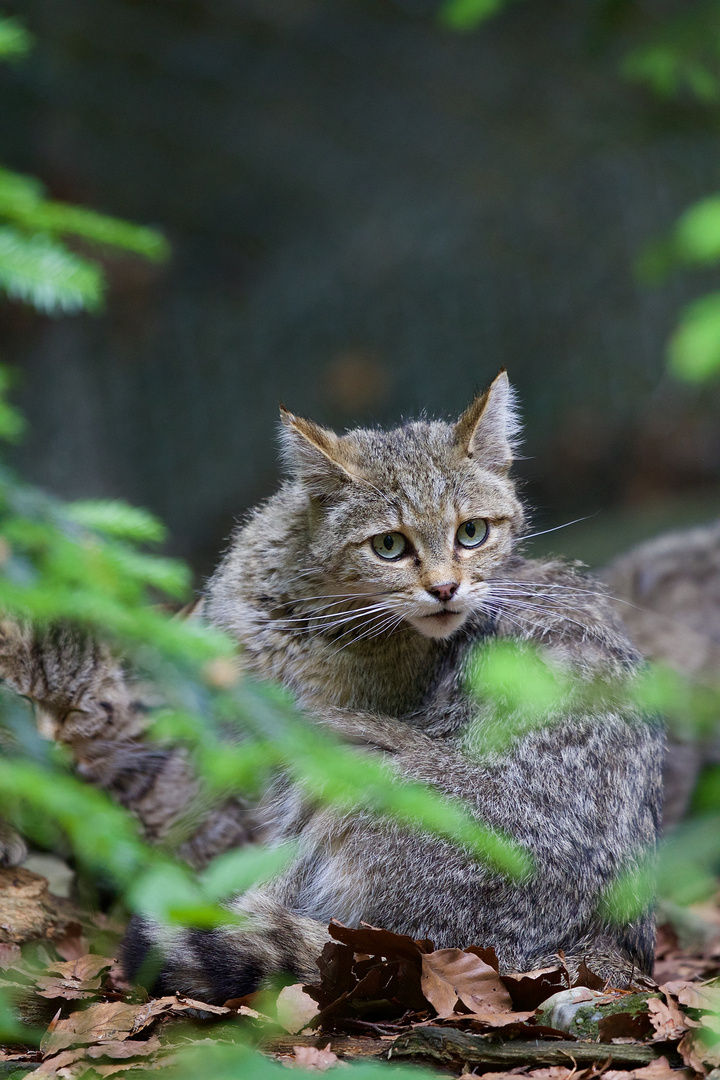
(438, 626)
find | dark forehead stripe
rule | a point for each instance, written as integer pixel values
(418, 468)
(418, 460)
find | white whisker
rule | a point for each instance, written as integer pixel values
(542, 532)
(558, 616)
(336, 618)
(388, 625)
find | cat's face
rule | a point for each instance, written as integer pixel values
(406, 526)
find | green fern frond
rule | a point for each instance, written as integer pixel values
(56, 217)
(42, 272)
(22, 201)
(15, 40)
(18, 193)
(116, 518)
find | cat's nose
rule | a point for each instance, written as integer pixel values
(444, 592)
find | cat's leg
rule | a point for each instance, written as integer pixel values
(230, 961)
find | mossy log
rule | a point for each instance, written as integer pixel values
(450, 1047)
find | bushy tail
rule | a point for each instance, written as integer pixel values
(227, 962)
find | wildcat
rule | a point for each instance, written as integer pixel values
(365, 586)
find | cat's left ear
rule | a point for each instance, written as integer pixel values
(489, 429)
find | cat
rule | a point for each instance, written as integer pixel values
(366, 586)
(667, 592)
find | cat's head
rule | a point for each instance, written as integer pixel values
(409, 524)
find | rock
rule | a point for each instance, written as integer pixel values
(592, 1014)
(571, 1010)
(59, 876)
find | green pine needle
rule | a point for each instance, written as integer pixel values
(22, 202)
(116, 518)
(43, 273)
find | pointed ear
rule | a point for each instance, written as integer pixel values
(489, 429)
(314, 455)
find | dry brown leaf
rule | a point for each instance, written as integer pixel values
(376, 942)
(668, 1019)
(529, 989)
(693, 1051)
(9, 955)
(660, 1070)
(84, 968)
(116, 1050)
(79, 978)
(451, 974)
(23, 1055)
(60, 1063)
(493, 1076)
(178, 1003)
(552, 1072)
(236, 1005)
(312, 1058)
(101, 1022)
(295, 1008)
(128, 1049)
(105, 1021)
(694, 995)
(49, 987)
(73, 944)
(497, 1019)
(626, 1026)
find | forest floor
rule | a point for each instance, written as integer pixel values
(378, 996)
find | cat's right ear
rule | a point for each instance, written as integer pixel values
(315, 455)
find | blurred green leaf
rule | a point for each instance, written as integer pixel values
(468, 14)
(689, 860)
(18, 193)
(697, 234)
(229, 1059)
(168, 575)
(42, 272)
(667, 71)
(165, 888)
(15, 40)
(694, 349)
(237, 871)
(706, 796)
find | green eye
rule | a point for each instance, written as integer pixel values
(472, 534)
(389, 545)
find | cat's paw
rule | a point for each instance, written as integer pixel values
(13, 850)
(387, 734)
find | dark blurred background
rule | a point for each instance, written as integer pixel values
(370, 214)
